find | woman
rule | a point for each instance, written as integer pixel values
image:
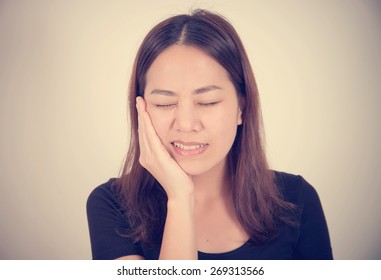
(196, 184)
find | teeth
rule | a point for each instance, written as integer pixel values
(183, 147)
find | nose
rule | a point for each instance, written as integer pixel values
(186, 118)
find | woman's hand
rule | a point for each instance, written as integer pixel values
(178, 186)
(156, 159)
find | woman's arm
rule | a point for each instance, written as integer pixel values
(179, 238)
(179, 241)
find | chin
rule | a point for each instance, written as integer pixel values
(197, 168)
(193, 170)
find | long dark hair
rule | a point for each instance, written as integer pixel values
(258, 203)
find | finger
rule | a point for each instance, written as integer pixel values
(143, 114)
(144, 146)
(151, 136)
(150, 143)
(142, 120)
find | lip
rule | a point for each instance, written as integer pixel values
(188, 148)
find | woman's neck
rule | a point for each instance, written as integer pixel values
(212, 184)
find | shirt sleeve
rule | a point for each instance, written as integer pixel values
(107, 224)
(313, 240)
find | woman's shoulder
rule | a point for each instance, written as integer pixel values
(294, 188)
(108, 193)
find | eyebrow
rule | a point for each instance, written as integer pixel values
(196, 91)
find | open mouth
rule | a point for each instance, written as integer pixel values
(190, 148)
(186, 147)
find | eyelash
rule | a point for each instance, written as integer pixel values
(208, 104)
(165, 106)
(200, 104)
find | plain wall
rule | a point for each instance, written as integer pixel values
(64, 71)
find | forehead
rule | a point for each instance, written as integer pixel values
(186, 66)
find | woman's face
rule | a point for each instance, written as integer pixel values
(193, 106)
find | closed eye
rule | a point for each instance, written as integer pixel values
(164, 105)
(208, 104)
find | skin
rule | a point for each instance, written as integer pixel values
(190, 100)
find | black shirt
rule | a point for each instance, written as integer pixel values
(308, 240)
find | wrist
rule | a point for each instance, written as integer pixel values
(181, 201)
(182, 194)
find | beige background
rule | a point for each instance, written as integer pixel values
(64, 69)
